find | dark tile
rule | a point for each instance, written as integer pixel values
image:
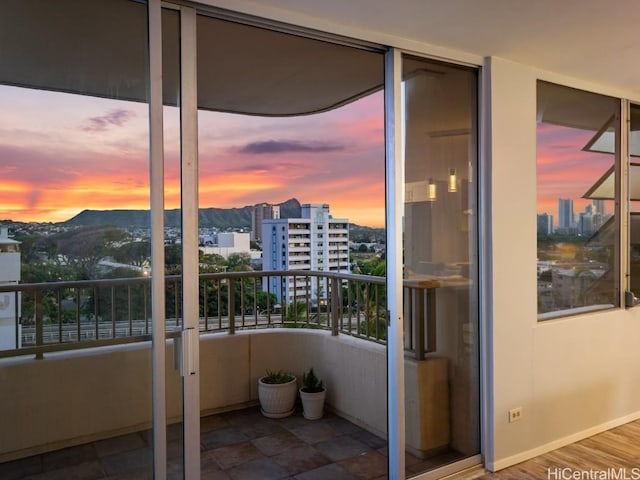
(300, 459)
(277, 443)
(174, 431)
(146, 474)
(175, 469)
(247, 416)
(208, 462)
(366, 466)
(369, 439)
(342, 425)
(21, 468)
(119, 444)
(214, 475)
(82, 471)
(260, 428)
(294, 421)
(260, 469)
(314, 432)
(68, 456)
(213, 422)
(222, 437)
(232, 455)
(175, 449)
(424, 465)
(126, 462)
(341, 448)
(333, 471)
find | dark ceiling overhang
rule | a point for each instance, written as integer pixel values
(99, 48)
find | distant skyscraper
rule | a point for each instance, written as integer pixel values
(260, 212)
(565, 213)
(545, 224)
(599, 207)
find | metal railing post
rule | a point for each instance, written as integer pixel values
(231, 306)
(39, 325)
(335, 305)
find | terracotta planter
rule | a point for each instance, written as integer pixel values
(277, 400)
(312, 404)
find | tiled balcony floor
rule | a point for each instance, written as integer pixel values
(236, 445)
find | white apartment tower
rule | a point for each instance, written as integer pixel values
(9, 275)
(316, 242)
(260, 212)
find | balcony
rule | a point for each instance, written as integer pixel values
(85, 348)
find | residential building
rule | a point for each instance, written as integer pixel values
(565, 214)
(260, 212)
(228, 243)
(545, 224)
(9, 275)
(315, 241)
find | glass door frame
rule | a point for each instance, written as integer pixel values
(189, 231)
(394, 214)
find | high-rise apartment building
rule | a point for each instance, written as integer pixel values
(316, 241)
(565, 213)
(260, 212)
(545, 224)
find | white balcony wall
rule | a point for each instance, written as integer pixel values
(74, 397)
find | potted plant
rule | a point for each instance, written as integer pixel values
(312, 395)
(277, 394)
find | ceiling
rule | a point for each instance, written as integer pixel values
(589, 39)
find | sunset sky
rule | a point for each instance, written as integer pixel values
(61, 154)
(564, 170)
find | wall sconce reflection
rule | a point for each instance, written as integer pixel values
(431, 191)
(453, 181)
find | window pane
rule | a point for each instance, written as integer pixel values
(440, 264)
(577, 147)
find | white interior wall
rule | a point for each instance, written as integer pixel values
(573, 376)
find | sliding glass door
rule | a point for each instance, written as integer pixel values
(432, 213)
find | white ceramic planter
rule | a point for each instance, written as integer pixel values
(277, 400)
(312, 404)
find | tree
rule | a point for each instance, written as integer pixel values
(173, 257)
(212, 262)
(239, 262)
(84, 247)
(133, 253)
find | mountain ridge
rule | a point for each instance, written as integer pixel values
(212, 217)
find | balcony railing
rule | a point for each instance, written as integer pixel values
(47, 317)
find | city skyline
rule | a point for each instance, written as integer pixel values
(565, 169)
(62, 154)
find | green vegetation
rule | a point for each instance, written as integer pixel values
(277, 377)
(311, 383)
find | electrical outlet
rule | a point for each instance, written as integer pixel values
(515, 414)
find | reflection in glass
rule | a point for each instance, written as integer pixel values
(440, 264)
(577, 229)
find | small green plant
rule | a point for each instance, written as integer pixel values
(277, 377)
(311, 383)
